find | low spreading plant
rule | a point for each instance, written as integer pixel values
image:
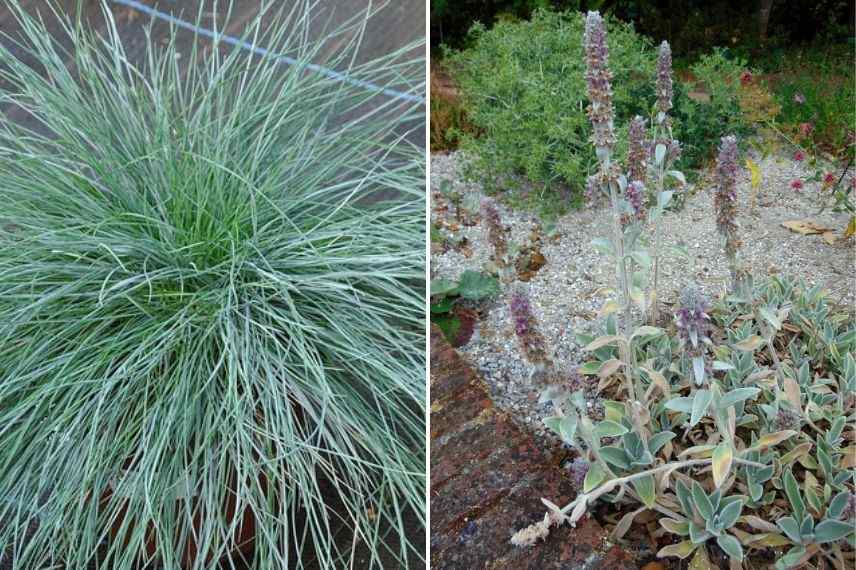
(211, 301)
(737, 431)
(446, 295)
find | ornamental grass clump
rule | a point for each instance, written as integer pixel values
(734, 429)
(211, 301)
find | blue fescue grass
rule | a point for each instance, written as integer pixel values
(211, 293)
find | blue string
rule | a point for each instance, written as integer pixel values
(327, 72)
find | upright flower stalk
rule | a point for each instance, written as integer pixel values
(607, 180)
(725, 203)
(666, 152)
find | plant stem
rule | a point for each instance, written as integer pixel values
(624, 349)
(610, 485)
(655, 304)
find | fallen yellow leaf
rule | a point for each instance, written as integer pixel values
(805, 227)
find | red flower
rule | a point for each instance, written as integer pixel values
(797, 184)
(746, 77)
(806, 129)
(828, 179)
(799, 156)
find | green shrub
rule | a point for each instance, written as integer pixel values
(701, 122)
(211, 304)
(817, 90)
(523, 87)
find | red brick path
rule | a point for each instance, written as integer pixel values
(487, 479)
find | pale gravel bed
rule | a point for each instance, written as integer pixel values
(565, 296)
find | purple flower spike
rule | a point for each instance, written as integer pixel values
(526, 328)
(692, 320)
(598, 78)
(634, 195)
(637, 154)
(725, 200)
(664, 78)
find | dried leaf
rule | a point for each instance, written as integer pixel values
(771, 439)
(723, 456)
(624, 524)
(749, 344)
(603, 341)
(805, 227)
(701, 561)
(792, 393)
(609, 368)
(829, 238)
(759, 524)
(681, 550)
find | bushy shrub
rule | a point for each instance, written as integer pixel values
(702, 121)
(817, 93)
(211, 304)
(524, 89)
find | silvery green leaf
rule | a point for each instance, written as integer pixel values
(698, 534)
(831, 530)
(608, 428)
(615, 456)
(701, 501)
(602, 153)
(622, 182)
(603, 245)
(731, 546)
(770, 317)
(730, 513)
(475, 286)
(756, 491)
(698, 370)
(594, 477)
(659, 153)
(646, 489)
(661, 116)
(568, 428)
(643, 258)
(552, 393)
(678, 175)
(791, 529)
(664, 197)
(720, 365)
(659, 440)
(791, 559)
(680, 404)
(837, 505)
(807, 527)
(684, 497)
(701, 401)
(737, 395)
(553, 423)
(793, 492)
(443, 287)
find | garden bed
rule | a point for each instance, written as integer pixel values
(564, 294)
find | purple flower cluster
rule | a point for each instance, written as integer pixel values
(787, 418)
(725, 200)
(578, 469)
(637, 154)
(495, 231)
(849, 512)
(525, 327)
(598, 79)
(664, 78)
(634, 195)
(692, 320)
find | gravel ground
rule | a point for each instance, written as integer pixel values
(565, 295)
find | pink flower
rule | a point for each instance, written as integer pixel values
(799, 98)
(797, 185)
(746, 77)
(806, 129)
(828, 179)
(799, 156)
